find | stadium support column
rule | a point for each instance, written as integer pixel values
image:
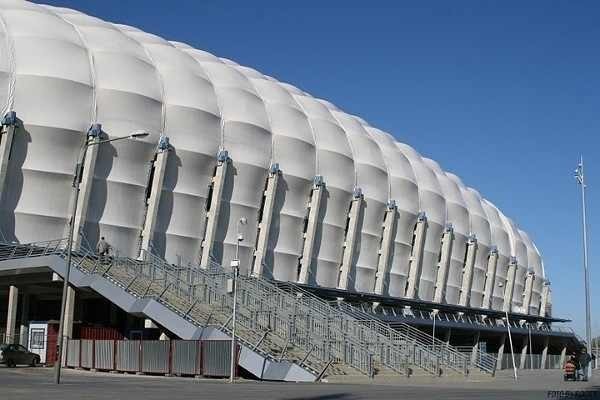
(155, 186)
(490, 277)
(11, 314)
(24, 329)
(467, 281)
(416, 258)
(475, 349)
(545, 352)
(386, 250)
(501, 351)
(69, 313)
(510, 284)
(563, 355)
(544, 301)
(350, 243)
(264, 225)
(212, 216)
(85, 188)
(444, 264)
(9, 123)
(528, 289)
(524, 350)
(314, 208)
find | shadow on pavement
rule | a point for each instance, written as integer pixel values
(334, 396)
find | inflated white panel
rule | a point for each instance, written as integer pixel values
(457, 215)
(480, 226)
(433, 203)
(372, 178)
(535, 263)
(502, 241)
(404, 191)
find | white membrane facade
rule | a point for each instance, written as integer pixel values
(340, 182)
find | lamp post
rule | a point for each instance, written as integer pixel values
(580, 177)
(91, 139)
(235, 266)
(512, 351)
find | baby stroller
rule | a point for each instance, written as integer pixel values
(570, 370)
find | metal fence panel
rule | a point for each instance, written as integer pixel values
(216, 357)
(104, 353)
(73, 352)
(553, 361)
(87, 353)
(155, 356)
(128, 355)
(186, 357)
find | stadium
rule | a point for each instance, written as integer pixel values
(328, 218)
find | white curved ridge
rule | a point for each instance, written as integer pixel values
(62, 71)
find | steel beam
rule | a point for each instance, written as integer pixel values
(490, 278)
(544, 300)
(156, 188)
(510, 284)
(528, 290)
(85, 187)
(467, 278)
(350, 242)
(314, 208)
(416, 258)
(386, 250)
(9, 124)
(212, 216)
(443, 264)
(264, 225)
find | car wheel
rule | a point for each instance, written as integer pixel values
(35, 361)
(10, 363)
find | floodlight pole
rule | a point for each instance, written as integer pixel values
(90, 140)
(580, 177)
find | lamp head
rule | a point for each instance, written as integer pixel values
(139, 135)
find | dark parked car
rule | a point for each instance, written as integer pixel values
(13, 354)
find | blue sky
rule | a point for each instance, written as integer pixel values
(505, 94)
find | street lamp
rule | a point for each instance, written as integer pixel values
(235, 266)
(580, 177)
(91, 139)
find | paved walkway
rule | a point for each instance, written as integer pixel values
(28, 383)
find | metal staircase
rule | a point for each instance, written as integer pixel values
(278, 321)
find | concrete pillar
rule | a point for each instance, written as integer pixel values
(447, 336)
(24, 329)
(467, 278)
(416, 258)
(9, 124)
(212, 217)
(11, 314)
(500, 352)
(386, 250)
(510, 284)
(69, 313)
(563, 355)
(350, 242)
(314, 208)
(544, 352)
(528, 290)
(444, 264)
(475, 348)
(490, 278)
(85, 187)
(544, 300)
(153, 200)
(264, 225)
(524, 350)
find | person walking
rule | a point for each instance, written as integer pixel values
(584, 360)
(102, 248)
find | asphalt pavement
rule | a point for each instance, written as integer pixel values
(37, 383)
